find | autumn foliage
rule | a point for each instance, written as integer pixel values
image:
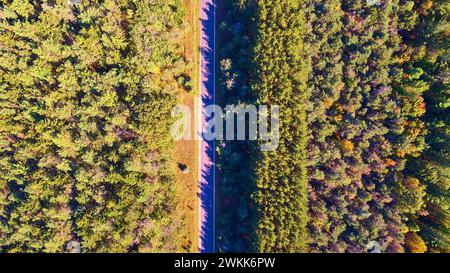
(375, 101)
(85, 148)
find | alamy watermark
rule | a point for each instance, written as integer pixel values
(233, 122)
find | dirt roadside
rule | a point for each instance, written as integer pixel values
(186, 151)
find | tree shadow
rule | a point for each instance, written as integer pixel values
(236, 165)
(207, 164)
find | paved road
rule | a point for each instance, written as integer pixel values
(207, 150)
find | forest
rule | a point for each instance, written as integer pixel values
(86, 90)
(88, 162)
(363, 164)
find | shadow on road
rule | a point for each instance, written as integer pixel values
(207, 91)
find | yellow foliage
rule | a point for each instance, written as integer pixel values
(328, 102)
(348, 146)
(412, 183)
(427, 5)
(405, 56)
(405, 229)
(154, 69)
(401, 153)
(414, 243)
(340, 86)
(421, 52)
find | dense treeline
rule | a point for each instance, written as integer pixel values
(85, 149)
(267, 190)
(279, 78)
(430, 228)
(364, 122)
(377, 115)
(374, 78)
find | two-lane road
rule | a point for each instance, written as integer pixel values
(207, 148)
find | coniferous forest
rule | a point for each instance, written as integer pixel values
(87, 159)
(363, 162)
(85, 91)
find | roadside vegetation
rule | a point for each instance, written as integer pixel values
(369, 79)
(86, 91)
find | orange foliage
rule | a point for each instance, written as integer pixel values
(422, 109)
(21, 136)
(389, 162)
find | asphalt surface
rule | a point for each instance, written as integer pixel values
(207, 148)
